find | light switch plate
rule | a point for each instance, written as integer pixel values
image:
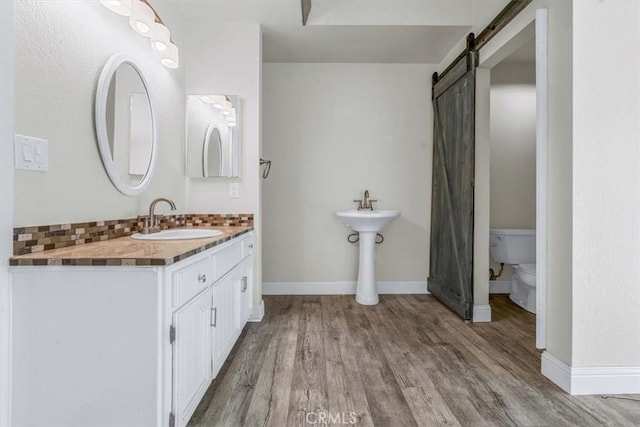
(234, 190)
(31, 153)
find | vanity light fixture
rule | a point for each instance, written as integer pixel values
(145, 21)
(142, 18)
(218, 101)
(160, 37)
(227, 107)
(121, 7)
(169, 57)
(231, 118)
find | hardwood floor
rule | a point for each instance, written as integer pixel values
(409, 361)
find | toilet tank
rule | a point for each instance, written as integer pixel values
(513, 246)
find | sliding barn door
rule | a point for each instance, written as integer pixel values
(451, 263)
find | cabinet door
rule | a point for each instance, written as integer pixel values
(192, 369)
(247, 291)
(226, 308)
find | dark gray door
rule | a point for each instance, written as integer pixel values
(451, 263)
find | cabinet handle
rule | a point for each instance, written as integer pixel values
(244, 284)
(251, 245)
(202, 278)
(214, 316)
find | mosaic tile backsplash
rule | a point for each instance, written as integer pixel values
(28, 240)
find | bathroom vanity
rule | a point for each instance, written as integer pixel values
(125, 332)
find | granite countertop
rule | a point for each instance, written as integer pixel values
(125, 251)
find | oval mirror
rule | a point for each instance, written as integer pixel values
(125, 125)
(212, 153)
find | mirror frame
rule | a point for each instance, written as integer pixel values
(101, 125)
(190, 166)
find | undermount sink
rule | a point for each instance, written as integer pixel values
(367, 221)
(179, 234)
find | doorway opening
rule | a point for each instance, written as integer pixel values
(517, 89)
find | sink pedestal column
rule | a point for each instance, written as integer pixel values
(367, 289)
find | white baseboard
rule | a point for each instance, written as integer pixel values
(591, 379)
(499, 286)
(481, 313)
(340, 288)
(557, 371)
(260, 313)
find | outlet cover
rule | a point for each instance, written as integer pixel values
(234, 190)
(31, 153)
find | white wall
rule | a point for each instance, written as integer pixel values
(61, 48)
(227, 59)
(606, 159)
(513, 146)
(7, 63)
(332, 131)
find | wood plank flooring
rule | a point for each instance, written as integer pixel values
(409, 361)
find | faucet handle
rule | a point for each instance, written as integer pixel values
(359, 202)
(371, 203)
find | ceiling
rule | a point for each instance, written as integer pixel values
(354, 31)
(360, 44)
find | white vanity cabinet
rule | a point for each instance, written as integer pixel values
(246, 290)
(191, 368)
(127, 346)
(226, 316)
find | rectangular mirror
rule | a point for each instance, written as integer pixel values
(213, 136)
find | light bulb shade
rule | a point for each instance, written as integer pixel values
(170, 57)
(231, 118)
(227, 106)
(142, 18)
(218, 101)
(121, 7)
(160, 37)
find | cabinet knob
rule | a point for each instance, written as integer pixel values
(251, 245)
(202, 278)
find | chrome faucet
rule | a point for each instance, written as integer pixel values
(151, 224)
(365, 203)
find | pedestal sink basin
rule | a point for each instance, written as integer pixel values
(367, 224)
(179, 234)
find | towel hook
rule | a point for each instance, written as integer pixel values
(267, 169)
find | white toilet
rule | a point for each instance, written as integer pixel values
(517, 247)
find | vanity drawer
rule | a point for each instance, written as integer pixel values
(192, 279)
(228, 259)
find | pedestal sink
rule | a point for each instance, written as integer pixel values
(367, 224)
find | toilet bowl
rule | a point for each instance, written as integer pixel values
(523, 287)
(517, 248)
